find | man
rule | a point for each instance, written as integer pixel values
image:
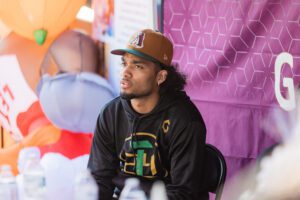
(152, 131)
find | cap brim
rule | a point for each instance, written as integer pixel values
(134, 52)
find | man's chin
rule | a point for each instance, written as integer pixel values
(127, 96)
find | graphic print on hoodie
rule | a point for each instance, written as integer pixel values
(140, 156)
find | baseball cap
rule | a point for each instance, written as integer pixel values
(150, 45)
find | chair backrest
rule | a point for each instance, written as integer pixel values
(215, 170)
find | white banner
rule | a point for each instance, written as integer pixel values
(131, 16)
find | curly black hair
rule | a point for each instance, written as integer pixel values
(175, 80)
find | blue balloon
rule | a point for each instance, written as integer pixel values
(73, 101)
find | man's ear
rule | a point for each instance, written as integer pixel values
(161, 76)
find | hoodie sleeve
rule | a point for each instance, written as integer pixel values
(186, 153)
(103, 161)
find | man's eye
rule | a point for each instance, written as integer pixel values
(123, 64)
(139, 67)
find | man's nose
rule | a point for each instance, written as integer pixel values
(126, 72)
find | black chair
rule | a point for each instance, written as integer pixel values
(215, 170)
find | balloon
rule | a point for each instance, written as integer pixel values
(75, 55)
(73, 52)
(38, 19)
(73, 101)
(4, 30)
(29, 54)
(40, 133)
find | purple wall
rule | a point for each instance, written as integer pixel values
(228, 49)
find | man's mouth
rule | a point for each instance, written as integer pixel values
(125, 84)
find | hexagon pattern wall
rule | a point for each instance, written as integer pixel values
(228, 49)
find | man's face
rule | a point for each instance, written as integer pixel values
(138, 77)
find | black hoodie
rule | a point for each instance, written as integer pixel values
(166, 144)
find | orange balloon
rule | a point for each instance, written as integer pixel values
(36, 19)
(29, 54)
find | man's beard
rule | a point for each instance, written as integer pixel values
(134, 96)
(127, 96)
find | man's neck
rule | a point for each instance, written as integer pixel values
(144, 105)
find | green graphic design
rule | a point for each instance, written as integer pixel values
(145, 144)
(139, 162)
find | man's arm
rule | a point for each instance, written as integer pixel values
(103, 161)
(186, 153)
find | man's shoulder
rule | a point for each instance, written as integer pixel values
(185, 110)
(184, 106)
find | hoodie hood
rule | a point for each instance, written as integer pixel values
(164, 102)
